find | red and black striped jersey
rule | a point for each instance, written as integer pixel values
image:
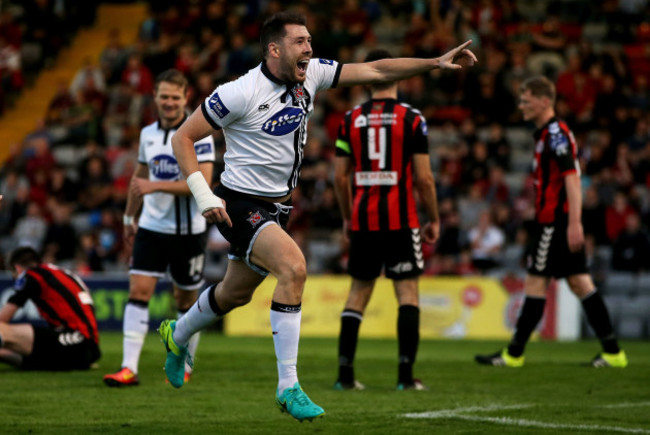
(381, 136)
(556, 155)
(61, 297)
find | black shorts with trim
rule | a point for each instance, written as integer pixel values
(249, 215)
(549, 255)
(60, 350)
(184, 255)
(399, 252)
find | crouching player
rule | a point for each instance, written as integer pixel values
(70, 341)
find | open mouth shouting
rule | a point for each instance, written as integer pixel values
(302, 66)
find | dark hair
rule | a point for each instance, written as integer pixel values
(539, 86)
(173, 76)
(24, 256)
(273, 28)
(374, 55)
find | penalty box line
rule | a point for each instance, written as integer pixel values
(466, 414)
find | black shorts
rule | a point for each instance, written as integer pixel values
(249, 216)
(60, 350)
(184, 255)
(400, 252)
(549, 255)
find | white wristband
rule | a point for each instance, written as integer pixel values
(127, 220)
(202, 193)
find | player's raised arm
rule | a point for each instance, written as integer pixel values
(387, 70)
(194, 129)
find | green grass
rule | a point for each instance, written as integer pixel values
(234, 382)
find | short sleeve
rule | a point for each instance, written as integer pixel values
(205, 149)
(142, 158)
(324, 73)
(25, 288)
(420, 135)
(343, 148)
(562, 149)
(226, 104)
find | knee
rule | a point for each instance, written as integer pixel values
(228, 301)
(294, 274)
(140, 293)
(581, 286)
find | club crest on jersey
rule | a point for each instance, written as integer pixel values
(164, 167)
(283, 122)
(298, 92)
(255, 219)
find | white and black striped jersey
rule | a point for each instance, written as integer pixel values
(265, 126)
(164, 212)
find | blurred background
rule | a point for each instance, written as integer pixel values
(76, 88)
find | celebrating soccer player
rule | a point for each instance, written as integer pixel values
(264, 116)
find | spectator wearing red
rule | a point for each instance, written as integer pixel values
(616, 215)
(137, 76)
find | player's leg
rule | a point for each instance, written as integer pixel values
(149, 264)
(598, 317)
(213, 303)
(364, 266)
(16, 341)
(276, 252)
(186, 268)
(408, 331)
(351, 318)
(530, 314)
(134, 327)
(10, 357)
(404, 265)
(184, 300)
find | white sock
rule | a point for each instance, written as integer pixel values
(199, 316)
(191, 345)
(135, 328)
(286, 335)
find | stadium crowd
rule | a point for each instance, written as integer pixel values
(65, 186)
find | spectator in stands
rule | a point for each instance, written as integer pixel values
(113, 57)
(616, 215)
(59, 105)
(60, 243)
(88, 74)
(631, 250)
(593, 216)
(30, 230)
(498, 146)
(486, 242)
(96, 187)
(61, 187)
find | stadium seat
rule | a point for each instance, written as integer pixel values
(622, 283)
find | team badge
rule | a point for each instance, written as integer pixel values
(299, 92)
(255, 219)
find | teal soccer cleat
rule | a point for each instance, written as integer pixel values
(296, 403)
(176, 355)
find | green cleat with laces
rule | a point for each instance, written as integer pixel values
(176, 355)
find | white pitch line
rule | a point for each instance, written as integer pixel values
(460, 413)
(540, 424)
(453, 412)
(626, 405)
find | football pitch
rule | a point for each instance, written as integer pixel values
(232, 392)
